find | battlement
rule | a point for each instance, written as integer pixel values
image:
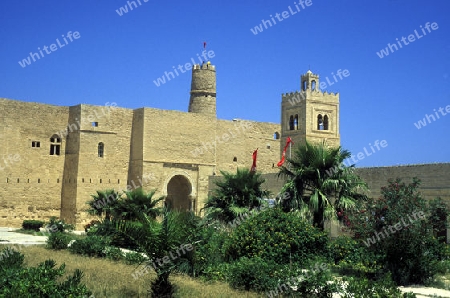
(204, 66)
(310, 95)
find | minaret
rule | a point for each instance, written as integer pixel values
(310, 114)
(203, 89)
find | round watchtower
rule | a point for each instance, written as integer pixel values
(203, 90)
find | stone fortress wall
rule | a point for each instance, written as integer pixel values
(170, 151)
(53, 158)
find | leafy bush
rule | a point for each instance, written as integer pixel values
(365, 288)
(33, 225)
(438, 218)
(398, 217)
(40, 281)
(351, 257)
(209, 250)
(278, 236)
(58, 225)
(108, 229)
(58, 240)
(113, 253)
(253, 274)
(10, 258)
(92, 246)
(313, 283)
(132, 258)
(93, 223)
(259, 275)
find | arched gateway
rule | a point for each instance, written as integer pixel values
(179, 194)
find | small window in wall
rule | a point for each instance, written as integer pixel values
(101, 149)
(55, 145)
(94, 124)
(291, 123)
(35, 144)
(325, 122)
(276, 135)
(296, 122)
(235, 159)
(319, 122)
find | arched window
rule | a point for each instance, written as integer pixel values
(325, 122)
(296, 122)
(101, 149)
(319, 122)
(55, 145)
(313, 85)
(305, 85)
(291, 123)
(276, 135)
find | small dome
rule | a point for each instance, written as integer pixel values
(309, 72)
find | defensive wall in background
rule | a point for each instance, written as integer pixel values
(435, 179)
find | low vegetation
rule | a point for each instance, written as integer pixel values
(243, 248)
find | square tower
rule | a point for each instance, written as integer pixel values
(310, 114)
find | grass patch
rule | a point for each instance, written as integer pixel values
(107, 278)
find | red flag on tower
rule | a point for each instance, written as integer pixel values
(253, 168)
(283, 156)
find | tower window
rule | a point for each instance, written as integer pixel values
(304, 85)
(35, 144)
(101, 149)
(313, 85)
(319, 122)
(325, 122)
(55, 145)
(296, 122)
(291, 123)
(276, 135)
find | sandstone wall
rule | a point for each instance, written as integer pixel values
(30, 178)
(435, 178)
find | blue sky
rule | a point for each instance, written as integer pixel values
(117, 58)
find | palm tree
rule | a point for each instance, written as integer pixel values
(137, 202)
(318, 181)
(235, 194)
(161, 241)
(103, 203)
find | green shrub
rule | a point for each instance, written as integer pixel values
(113, 253)
(58, 225)
(395, 227)
(92, 246)
(278, 236)
(316, 281)
(438, 218)
(132, 258)
(312, 279)
(40, 281)
(253, 274)
(351, 257)
(216, 272)
(58, 240)
(365, 288)
(33, 225)
(108, 229)
(209, 249)
(10, 257)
